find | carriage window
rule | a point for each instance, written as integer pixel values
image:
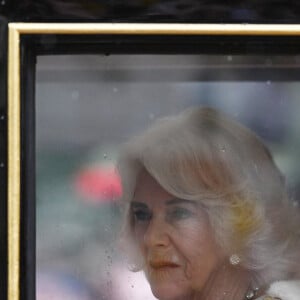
(88, 106)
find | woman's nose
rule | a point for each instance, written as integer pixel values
(156, 234)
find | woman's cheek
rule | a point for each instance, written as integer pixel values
(139, 233)
(190, 230)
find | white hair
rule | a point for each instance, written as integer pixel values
(204, 156)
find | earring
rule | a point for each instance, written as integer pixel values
(234, 259)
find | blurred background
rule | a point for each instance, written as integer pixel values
(87, 106)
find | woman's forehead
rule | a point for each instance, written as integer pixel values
(147, 186)
(149, 190)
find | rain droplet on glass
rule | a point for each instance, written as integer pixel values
(75, 95)
(151, 116)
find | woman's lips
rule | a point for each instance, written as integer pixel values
(162, 264)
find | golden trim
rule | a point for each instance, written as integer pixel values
(147, 29)
(13, 164)
(14, 134)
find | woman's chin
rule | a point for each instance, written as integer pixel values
(168, 292)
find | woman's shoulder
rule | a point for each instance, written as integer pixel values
(283, 290)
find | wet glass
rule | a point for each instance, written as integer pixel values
(87, 106)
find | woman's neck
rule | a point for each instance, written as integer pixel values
(226, 283)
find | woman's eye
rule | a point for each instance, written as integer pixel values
(141, 215)
(180, 213)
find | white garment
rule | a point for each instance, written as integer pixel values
(284, 290)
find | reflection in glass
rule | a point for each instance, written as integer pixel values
(88, 106)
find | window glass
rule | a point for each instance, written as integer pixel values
(87, 106)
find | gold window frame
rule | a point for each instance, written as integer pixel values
(18, 30)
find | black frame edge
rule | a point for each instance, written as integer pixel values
(28, 194)
(3, 158)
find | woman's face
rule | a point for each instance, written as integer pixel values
(175, 240)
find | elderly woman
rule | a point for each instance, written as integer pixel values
(208, 217)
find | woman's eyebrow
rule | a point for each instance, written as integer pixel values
(180, 201)
(136, 204)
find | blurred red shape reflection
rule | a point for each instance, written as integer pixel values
(98, 184)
